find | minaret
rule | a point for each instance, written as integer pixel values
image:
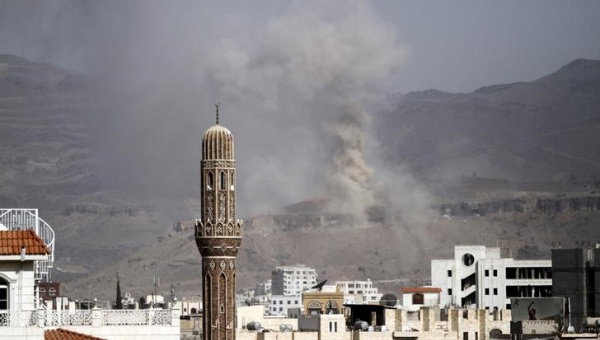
(218, 233)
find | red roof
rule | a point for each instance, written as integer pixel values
(63, 334)
(407, 290)
(11, 242)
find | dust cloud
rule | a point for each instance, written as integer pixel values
(299, 86)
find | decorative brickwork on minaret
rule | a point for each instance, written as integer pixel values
(218, 233)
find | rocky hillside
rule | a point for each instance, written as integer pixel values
(545, 130)
(390, 255)
(48, 128)
(515, 163)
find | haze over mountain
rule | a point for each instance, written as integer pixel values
(507, 146)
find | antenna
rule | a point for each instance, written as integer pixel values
(319, 285)
(217, 104)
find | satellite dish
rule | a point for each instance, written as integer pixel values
(319, 285)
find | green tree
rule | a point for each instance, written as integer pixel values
(119, 302)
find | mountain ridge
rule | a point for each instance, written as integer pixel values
(499, 143)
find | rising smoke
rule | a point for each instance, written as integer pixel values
(314, 71)
(299, 92)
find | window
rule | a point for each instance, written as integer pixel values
(3, 296)
(223, 180)
(52, 291)
(314, 308)
(468, 259)
(487, 291)
(210, 181)
(289, 302)
(487, 273)
(495, 272)
(449, 273)
(495, 291)
(449, 291)
(417, 299)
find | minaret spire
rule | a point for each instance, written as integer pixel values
(217, 104)
(218, 233)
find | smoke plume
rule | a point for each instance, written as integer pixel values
(313, 73)
(298, 87)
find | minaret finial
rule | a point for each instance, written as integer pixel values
(217, 104)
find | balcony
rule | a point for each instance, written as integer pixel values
(94, 317)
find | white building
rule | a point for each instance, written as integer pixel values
(25, 259)
(292, 280)
(413, 298)
(487, 277)
(282, 305)
(357, 292)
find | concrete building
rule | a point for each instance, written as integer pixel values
(48, 290)
(292, 280)
(283, 305)
(487, 277)
(576, 276)
(323, 302)
(413, 298)
(263, 288)
(359, 291)
(218, 232)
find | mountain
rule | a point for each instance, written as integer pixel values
(547, 129)
(48, 128)
(515, 163)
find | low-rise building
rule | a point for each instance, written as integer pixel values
(359, 291)
(413, 298)
(283, 305)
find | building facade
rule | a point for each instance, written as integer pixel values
(576, 276)
(285, 304)
(413, 298)
(292, 280)
(356, 292)
(487, 277)
(218, 233)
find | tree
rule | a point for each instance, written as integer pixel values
(142, 302)
(119, 302)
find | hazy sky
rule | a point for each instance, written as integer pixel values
(452, 45)
(299, 81)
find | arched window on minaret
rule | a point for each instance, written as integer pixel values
(232, 181)
(210, 181)
(223, 181)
